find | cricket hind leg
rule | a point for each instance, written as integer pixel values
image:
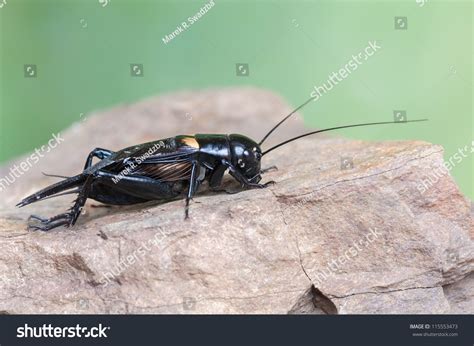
(68, 218)
(150, 189)
(145, 188)
(126, 190)
(99, 153)
(108, 195)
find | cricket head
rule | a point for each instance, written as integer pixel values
(246, 156)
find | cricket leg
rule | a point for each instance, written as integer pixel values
(193, 184)
(99, 153)
(243, 180)
(141, 187)
(148, 188)
(68, 218)
(269, 169)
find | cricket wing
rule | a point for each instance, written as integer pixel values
(165, 172)
(169, 167)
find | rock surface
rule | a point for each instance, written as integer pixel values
(326, 238)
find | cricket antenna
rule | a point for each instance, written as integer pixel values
(337, 128)
(284, 119)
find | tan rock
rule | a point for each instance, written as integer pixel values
(321, 240)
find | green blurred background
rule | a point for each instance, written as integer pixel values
(83, 50)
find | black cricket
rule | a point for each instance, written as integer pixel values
(163, 170)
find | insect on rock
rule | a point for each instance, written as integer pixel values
(163, 170)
